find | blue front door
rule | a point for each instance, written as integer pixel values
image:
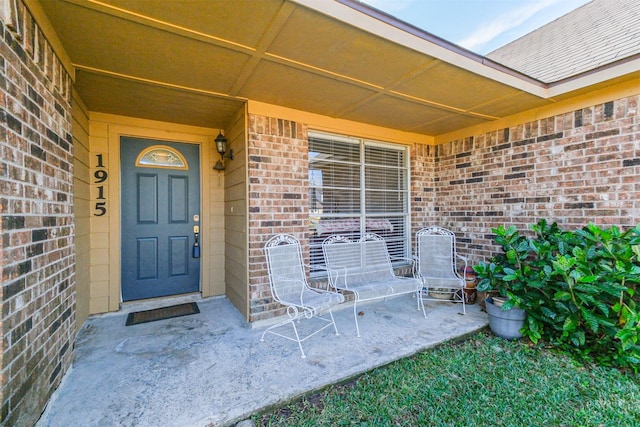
(160, 205)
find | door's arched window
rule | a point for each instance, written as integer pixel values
(161, 156)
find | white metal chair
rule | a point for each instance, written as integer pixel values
(289, 287)
(436, 267)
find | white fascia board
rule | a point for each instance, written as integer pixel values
(594, 77)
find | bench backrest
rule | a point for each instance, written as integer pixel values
(351, 263)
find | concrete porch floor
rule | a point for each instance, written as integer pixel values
(210, 369)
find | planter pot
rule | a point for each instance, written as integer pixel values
(444, 294)
(470, 284)
(470, 295)
(483, 295)
(498, 301)
(505, 323)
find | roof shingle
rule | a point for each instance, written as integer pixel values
(599, 33)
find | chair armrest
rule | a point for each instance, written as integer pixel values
(465, 264)
(286, 279)
(302, 284)
(321, 287)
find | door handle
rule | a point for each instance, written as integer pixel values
(196, 243)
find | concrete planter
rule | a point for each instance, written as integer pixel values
(505, 323)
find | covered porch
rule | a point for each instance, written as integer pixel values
(477, 144)
(480, 144)
(211, 368)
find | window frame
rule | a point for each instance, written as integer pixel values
(362, 215)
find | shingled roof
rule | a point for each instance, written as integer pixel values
(599, 33)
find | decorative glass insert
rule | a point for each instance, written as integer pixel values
(161, 156)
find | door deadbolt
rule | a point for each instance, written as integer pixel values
(196, 242)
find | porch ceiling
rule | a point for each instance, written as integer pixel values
(196, 61)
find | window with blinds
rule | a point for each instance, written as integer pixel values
(357, 186)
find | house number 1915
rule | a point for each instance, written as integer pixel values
(100, 176)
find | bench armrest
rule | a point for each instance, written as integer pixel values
(333, 274)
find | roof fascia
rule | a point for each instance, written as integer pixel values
(598, 75)
(335, 125)
(380, 24)
(599, 96)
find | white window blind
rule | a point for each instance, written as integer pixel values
(357, 186)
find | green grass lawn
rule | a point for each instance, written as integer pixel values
(483, 381)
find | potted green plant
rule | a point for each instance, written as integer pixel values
(507, 275)
(580, 289)
(505, 322)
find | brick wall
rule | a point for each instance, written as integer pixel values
(423, 187)
(38, 282)
(278, 198)
(579, 167)
(574, 168)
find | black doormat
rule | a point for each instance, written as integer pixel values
(162, 313)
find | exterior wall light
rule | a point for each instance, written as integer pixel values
(221, 147)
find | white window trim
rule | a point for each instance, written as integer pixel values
(364, 142)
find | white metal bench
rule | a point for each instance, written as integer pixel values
(290, 288)
(364, 268)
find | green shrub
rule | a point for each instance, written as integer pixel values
(579, 288)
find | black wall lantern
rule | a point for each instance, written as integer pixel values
(221, 147)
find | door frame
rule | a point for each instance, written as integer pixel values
(160, 132)
(166, 231)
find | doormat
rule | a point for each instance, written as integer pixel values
(162, 313)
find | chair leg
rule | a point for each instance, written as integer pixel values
(277, 325)
(295, 330)
(421, 303)
(461, 299)
(293, 317)
(334, 323)
(464, 308)
(355, 316)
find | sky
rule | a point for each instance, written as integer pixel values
(477, 25)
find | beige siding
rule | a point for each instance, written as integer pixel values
(104, 137)
(81, 198)
(99, 240)
(235, 213)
